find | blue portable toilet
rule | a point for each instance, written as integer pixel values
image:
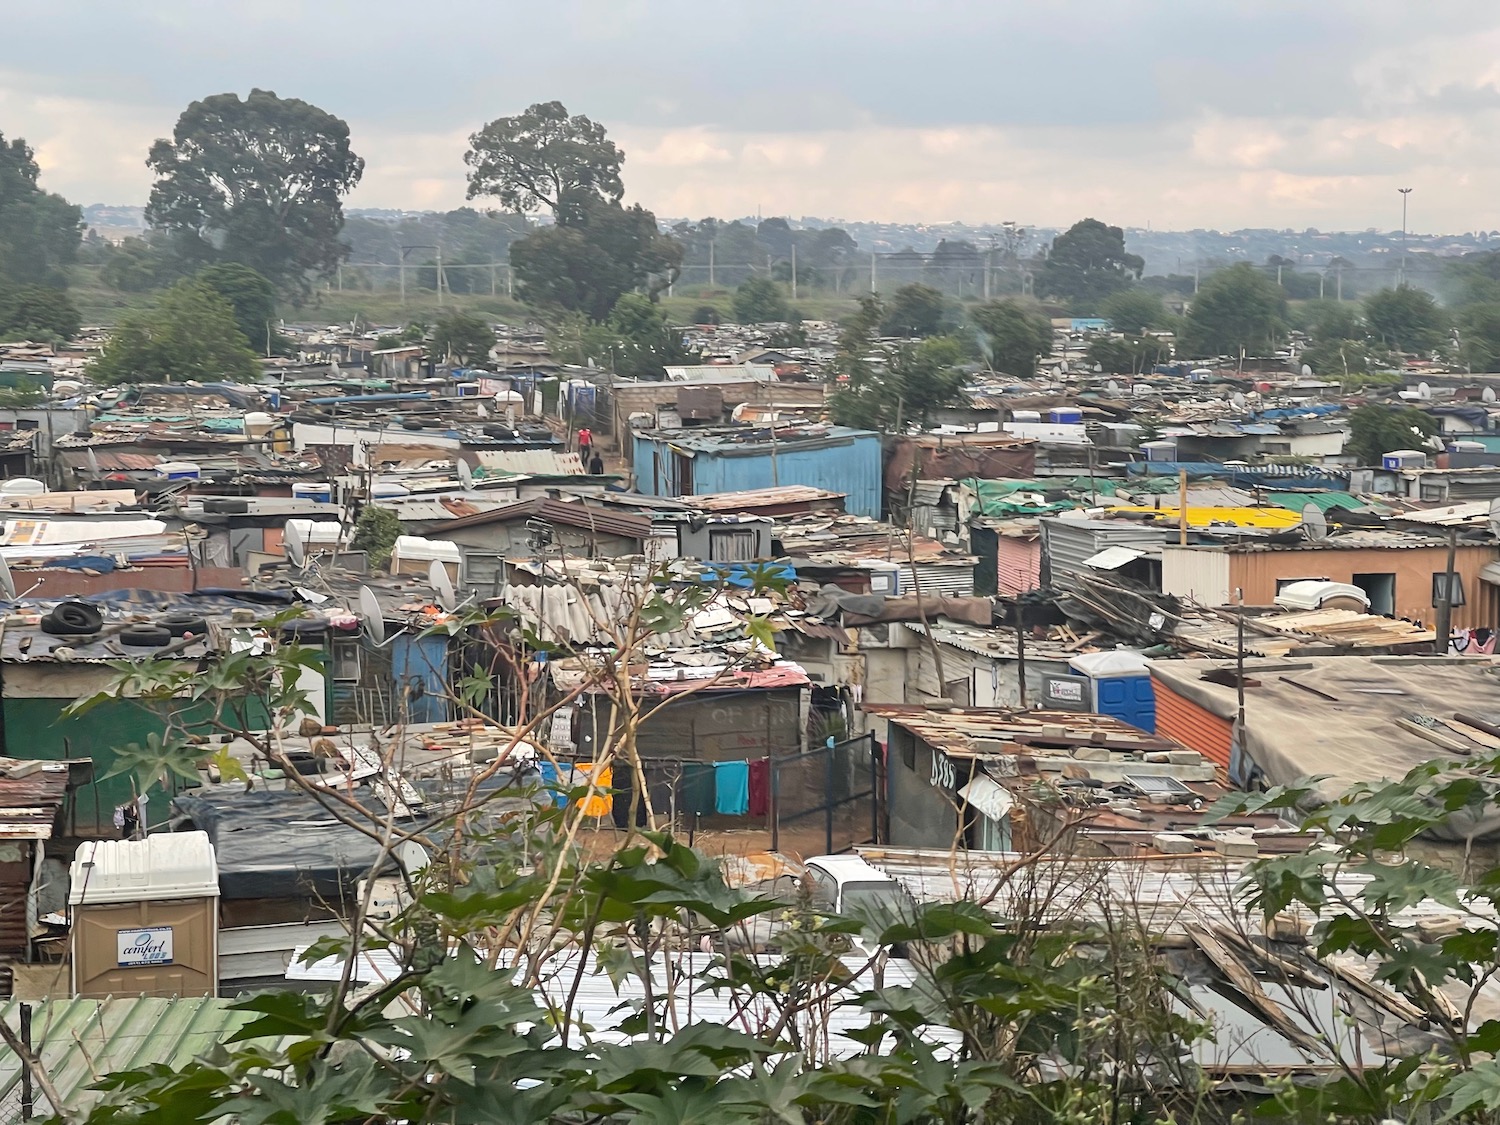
(1119, 686)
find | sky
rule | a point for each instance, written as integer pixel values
(1170, 113)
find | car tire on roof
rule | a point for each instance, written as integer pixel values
(72, 619)
(145, 636)
(181, 623)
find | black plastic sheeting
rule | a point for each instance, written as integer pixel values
(287, 844)
(279, 845)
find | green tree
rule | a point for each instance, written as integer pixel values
(1479, 335)
(133, 266)
(37, 312)
(643, 340)
(259, 181)
(1087, 263)
(1331, 320)
(1134, 311)
(253, 299)
(542, 156)
(1016, 334)
(915, 310)
(463, 338)
(596, 252)
(375, 532)
(1236, 308)
(759, 300)
(189, 333)
(706, 314)
(1127, 355)
(914, 380)
(39, 232)
(1406, 319)
(1376, 430)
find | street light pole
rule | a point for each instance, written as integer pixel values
(1405, 191)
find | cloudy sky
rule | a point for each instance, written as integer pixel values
(1173, 113)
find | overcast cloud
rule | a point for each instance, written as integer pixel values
(1176, 113)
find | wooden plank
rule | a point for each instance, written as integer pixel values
(1250, 988)
(1437, 738)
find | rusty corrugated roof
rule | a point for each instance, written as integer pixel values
(29, 805)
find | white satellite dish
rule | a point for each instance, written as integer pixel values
(1306, 371)
(1238, 400)
(1488, 395)
(370, 616)
(1314, 522)
(1424, 391)
(93, 461)
(1494, 525)
(1111, 388)
(7, 583)
(291, 542)
(465, 474)
(483, 413)
(437, 576)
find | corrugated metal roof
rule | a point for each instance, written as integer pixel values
(757, 497)
(559, 511)
(29, 804)
(80, 1041)
(1327, 501)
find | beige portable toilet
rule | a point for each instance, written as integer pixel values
(145, 917)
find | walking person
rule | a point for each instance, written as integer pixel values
(585, 443)
(596, 465)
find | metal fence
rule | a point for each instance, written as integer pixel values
(833, 791)
(20, 1101)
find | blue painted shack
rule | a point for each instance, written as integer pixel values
(704, 462)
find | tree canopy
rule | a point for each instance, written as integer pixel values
(1375, 430)
(36, 312)
(253, 299)
(540, 157)
(1406, 319)
(462, 337)
(1087, 263)
(189, 333)
(890, 389)
(759, 300)
(601, 251)
(1134, 311)
(39, 232)
(259, 181)
(1236, 308)
(643, 341)
(914, 310)
(1016, 334)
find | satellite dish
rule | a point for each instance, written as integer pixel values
(1112, 388)
(1314, 522)
(1306, 371)
(7, 583)
(1494, 530)
(465, 474)
(437, 576)
(370, 616)
(93, 461)
(1239, 401)
(291, 542)
(483, 413)
(1488, 395)
(1424, 391)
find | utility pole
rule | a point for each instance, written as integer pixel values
(873, 260)
(1401, 278)
(1338, 276)
(440, 276)
(1195, 279)
(710, 264)
(794, 271)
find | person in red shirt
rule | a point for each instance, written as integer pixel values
(585, 443)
